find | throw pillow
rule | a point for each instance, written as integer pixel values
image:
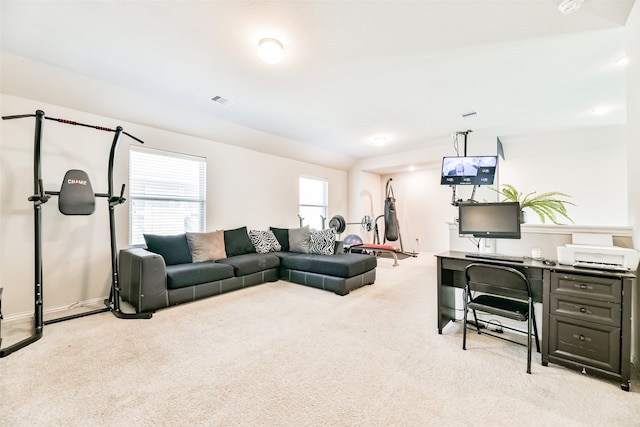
(299, 239)
(282, 234)
(207, 246)
(174, 249)
(264, 241)
(323, 242)
(237, 242)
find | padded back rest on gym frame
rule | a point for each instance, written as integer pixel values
(498, 280)
(76, 194)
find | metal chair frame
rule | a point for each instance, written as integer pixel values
(505, 291)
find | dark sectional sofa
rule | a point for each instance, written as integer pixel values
(172, 270)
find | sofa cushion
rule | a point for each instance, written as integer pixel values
(237, 242)
(340, 265)
(174, 249)
(206, 246)
(323, 242)
(299, 239)
(251, 263)
(183, 275)
(264, 241)
(282, 234)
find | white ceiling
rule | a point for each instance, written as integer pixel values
(352, 69)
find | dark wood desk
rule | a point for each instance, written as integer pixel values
(586, 314)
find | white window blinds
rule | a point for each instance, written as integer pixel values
(166, 193)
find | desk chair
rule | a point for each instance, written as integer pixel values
(504, 292)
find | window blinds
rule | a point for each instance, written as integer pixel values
(166, 193)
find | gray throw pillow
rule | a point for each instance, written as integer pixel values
(207, 246)
(300, 239)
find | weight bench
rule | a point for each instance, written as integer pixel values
(389, 249)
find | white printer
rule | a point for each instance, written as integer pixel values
(597, 251)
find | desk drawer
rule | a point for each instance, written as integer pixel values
(589, 310)
(583, 342)
(454, 264)
(592, 287)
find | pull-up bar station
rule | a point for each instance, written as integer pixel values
(76, 197)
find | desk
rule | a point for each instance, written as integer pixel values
(586, 314)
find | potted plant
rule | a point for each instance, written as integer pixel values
(546, 205)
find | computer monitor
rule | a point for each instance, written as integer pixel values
(489, 220)
(468, 170)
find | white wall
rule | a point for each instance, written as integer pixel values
(244, 187)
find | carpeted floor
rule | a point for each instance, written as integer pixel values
(282, 354)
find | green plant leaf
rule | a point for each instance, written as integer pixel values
(547, 205)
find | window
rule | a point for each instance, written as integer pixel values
(166, 192)
(314, 205)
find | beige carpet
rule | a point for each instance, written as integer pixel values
(282, 354)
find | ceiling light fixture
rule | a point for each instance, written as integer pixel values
(622, 61)
(270, 51)
(380, 140)
(569, 6)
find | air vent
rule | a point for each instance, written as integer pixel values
(468, 114)
(221, 100)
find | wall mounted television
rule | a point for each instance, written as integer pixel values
(468, 170)
(489, 220)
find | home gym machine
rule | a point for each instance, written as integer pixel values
(76, 197)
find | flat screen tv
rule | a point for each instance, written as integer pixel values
(470, 170)
(489, 220)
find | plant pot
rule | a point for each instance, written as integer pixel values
(523, 217)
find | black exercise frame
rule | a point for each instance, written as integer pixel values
(40, 197)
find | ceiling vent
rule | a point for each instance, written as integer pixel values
(221, 100)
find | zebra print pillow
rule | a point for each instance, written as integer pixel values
(322, 242)
(264, 241)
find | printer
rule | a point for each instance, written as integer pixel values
(598, 252)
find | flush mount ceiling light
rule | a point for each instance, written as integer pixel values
(380, 141)
(270, 51)
(622, 61)
(569, 6)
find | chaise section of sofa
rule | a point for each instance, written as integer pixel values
(339, 273)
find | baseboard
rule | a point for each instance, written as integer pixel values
(78, 305)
